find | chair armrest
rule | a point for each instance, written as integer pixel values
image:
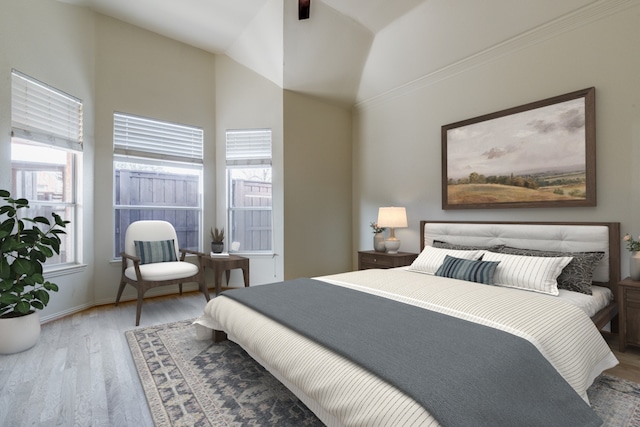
(190, 251)
(184, 252)
(136, 264)
(133, 258)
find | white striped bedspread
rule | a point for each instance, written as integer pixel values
(343, 394)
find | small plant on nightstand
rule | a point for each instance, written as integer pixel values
(217, 240)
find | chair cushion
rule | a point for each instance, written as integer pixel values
(155, 251)
(164, 271)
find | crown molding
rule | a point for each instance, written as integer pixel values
(566, 23)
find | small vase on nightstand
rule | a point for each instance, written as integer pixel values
(378, 243)
(634, 265)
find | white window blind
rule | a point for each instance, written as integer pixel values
(143, 137)
(44, 114)
(249, 147)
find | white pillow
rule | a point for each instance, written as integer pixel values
(530, 273)
(430, 259)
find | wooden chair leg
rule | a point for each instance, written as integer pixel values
(139, 304)
(203, 287)
(120, 289)
(180, 287)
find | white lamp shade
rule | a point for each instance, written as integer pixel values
(392, 217)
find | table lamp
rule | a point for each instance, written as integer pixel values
(392, 217)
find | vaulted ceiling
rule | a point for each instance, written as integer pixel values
(328, 54)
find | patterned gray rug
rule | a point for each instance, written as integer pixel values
(198, 383)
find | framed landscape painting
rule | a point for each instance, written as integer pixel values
(540, 154)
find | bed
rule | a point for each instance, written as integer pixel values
(563, 325)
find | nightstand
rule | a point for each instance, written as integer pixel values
(629, 313)
(220, 264)
(373, 259)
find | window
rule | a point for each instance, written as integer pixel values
(46, 146)
(157, 175)
(249, 192)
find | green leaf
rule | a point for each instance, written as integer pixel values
(51, 287)
(8, 210)
(6, 298)
(42, 295)
(7, 225)
(23, 266)
(4, 193)
(5, 269)
(37, 304)
(55, 246)
(40, 256)
(5, 285)
(23, 307)
(41, 220)
(59, 221)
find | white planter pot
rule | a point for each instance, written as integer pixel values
(19, 333)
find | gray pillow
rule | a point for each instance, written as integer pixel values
(577, 276)
(453, 246)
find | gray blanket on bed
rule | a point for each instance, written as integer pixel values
(463, 373)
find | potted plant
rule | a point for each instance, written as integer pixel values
(217, 240)
(23, 289)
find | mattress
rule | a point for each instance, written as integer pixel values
(341, 393)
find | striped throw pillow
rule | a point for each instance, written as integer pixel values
(530, 273)
(155, 251)
(576, 276)
(469, 270)
(430, 259)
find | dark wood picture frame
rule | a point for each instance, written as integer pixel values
(541, 154)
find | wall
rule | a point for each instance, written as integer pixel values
(141, 73)
(397, 145)
(245, 99)
(317, 168)
(53, 43)
(113, 66)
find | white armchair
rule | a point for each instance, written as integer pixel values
(152, 258)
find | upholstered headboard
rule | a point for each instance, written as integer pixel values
(552, 236)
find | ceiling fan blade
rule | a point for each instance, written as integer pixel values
(303, 9)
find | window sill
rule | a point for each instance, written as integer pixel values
(255, 254)
(64, 270)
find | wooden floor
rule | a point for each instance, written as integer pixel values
(81, 372)
(629, 367)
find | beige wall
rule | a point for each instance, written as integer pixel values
(142, 73)
(113, 66)
(246, 100)
(317, 169)
(54, 43)
(397, 146)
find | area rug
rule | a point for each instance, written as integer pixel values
(200, 383)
